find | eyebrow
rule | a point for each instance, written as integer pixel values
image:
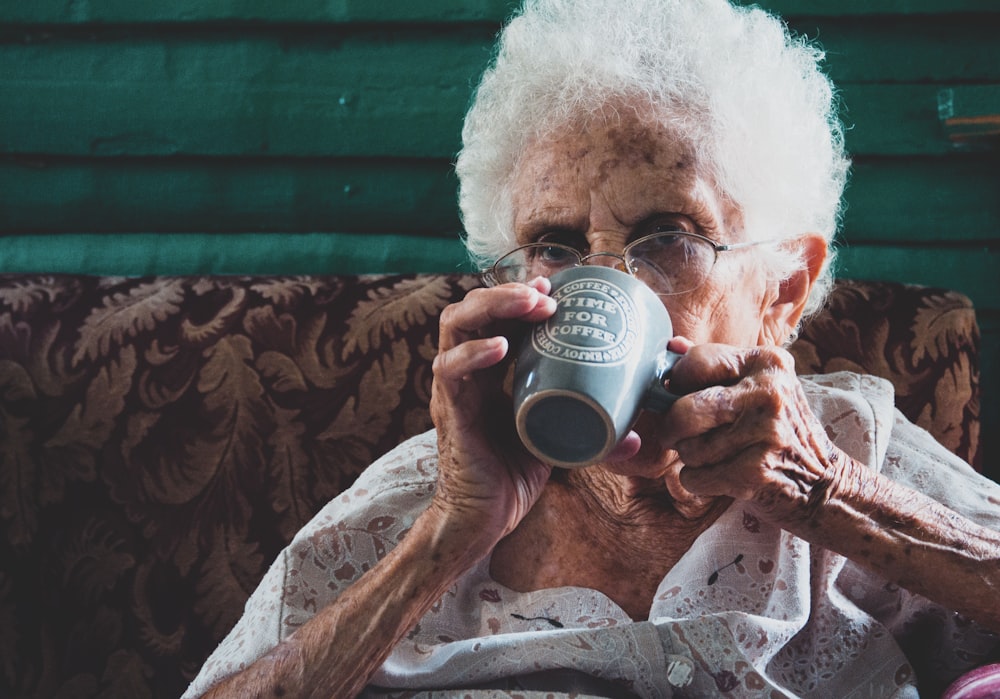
(551, 219)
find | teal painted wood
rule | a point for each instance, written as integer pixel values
(891, 119)
(143, 11)
(135, 254)
(378, 95)
(954, 45)
(951, 48)
(393, 93)
(116, 11)
(875, 7)
(204, 195)
(921, 200)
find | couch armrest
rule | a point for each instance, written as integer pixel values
(925, 340)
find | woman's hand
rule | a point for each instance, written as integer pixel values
(485, 477)
(744, 429)
(486, 484)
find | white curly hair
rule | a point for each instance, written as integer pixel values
(750, 98)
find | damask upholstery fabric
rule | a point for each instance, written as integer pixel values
(924, 340)
(162, 439)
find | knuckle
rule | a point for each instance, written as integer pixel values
(439, 363)
(445, 364)
(448, 314)
(479, 293)
(775, 358)
(769, 401)
(774, 435)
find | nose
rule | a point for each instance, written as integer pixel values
(605, 259)
(606, 244)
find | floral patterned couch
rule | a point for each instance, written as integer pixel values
(162, 438)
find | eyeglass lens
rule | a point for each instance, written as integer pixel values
(535, 260)
(669, 263)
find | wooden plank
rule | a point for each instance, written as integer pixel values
(126, 11)
(231, 194)
(139, 11)
(904, 119)
(385, 93)
(873, 7)
(921, 200)
(249, 253)
(378, 94)
(897, 48)
(971, 270)
(949, 48)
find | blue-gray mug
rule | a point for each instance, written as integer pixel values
(582, 377)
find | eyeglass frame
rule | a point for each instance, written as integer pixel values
(489, 275)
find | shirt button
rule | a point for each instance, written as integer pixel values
(680, 670)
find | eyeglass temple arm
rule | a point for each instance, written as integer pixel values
(719, 247)
(488, 277)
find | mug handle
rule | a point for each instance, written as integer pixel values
(658, 398)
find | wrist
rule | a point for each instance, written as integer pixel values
(839, 487)
(456, 537)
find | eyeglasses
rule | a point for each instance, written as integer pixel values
(669, 263)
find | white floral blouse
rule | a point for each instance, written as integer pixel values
(750, 610)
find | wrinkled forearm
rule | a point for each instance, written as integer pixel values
(336, 652)
(910, 539)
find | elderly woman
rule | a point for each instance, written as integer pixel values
(767, 536)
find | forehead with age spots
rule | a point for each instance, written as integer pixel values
(639, 145)
(636, 167)
(620, 142)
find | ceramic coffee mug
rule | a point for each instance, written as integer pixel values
(582, 377)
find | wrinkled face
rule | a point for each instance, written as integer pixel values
(600, 187)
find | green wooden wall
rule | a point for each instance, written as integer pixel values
(317, 136)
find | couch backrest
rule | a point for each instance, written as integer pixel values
(161, 439)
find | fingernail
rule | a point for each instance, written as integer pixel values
(542, 284)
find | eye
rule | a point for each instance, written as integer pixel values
(664, 239)
(553, 254)
(668, 228)
(672, 251)
(663, 223)
(665, 247)
(571, 239)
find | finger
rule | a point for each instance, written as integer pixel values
(775, 481)
(720, 479)
(541, 284)
(728, 419)
(625, 449)
(680, 344)
(745, 473)
(482, 308)
(707, 481)
(716, 364)
(700, 412)
(461, 361)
